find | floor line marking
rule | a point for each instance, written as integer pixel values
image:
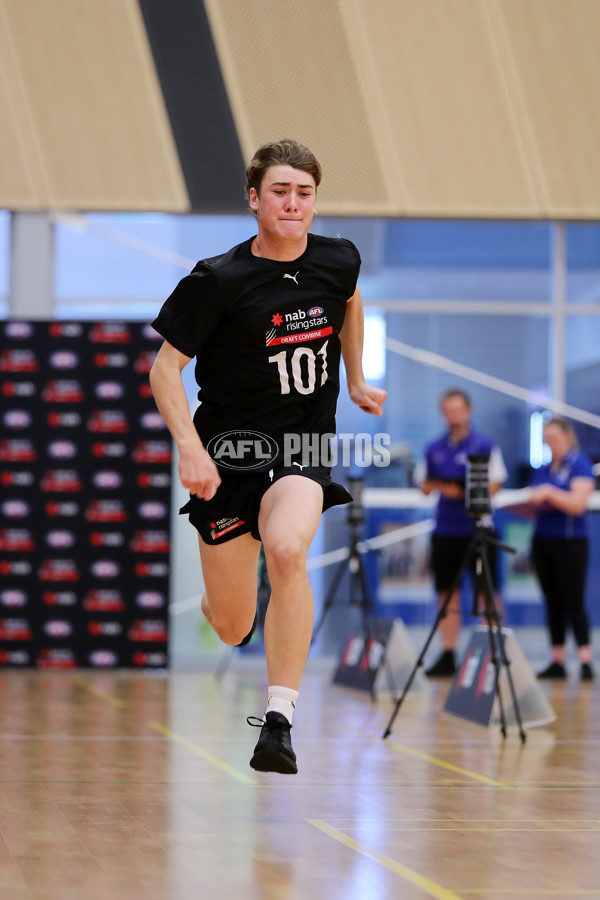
(377, 820)
(421, 881)
(214, 760)
(82, 682)
(401, 748)
(535, 892)
(461, 828)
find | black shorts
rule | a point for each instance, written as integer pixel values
(234, 509)
(448, 552)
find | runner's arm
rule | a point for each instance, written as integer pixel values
(197, 471)
(369, 398)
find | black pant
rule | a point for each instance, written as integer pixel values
(561, 568)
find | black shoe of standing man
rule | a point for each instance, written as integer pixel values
(445, 666)
(554, 670)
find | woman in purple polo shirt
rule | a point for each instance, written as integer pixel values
(560, 544)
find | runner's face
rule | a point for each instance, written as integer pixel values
(286, 204)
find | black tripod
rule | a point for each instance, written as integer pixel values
(360, 589)
(477, 551)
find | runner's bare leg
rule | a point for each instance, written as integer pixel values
(289, 517)
(230, 579)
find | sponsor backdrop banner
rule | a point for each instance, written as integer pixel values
(85, 479)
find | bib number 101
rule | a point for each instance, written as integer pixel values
(303, 369)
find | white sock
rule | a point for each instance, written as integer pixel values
(282, 700)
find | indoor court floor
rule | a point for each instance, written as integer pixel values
(123, 786)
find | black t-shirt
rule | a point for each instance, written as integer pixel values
(265, 335)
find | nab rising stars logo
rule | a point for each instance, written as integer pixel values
(301, 325)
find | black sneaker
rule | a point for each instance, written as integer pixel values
(248, 637)
(554, 670)
(273, 752)
(587, 673)
(444, 667)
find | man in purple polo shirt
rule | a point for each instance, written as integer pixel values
(444, 470)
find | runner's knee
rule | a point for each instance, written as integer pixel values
(229, 625)
(286, 555)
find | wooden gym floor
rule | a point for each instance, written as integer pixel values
(122, 786)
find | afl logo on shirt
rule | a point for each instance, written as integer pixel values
(316, 311)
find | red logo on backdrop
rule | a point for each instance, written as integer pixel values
(110, 333)
(152, 509)
(109, 390)
(151, 569)
(19, 568)
(59, 570)
(150, 599)
(18, 388)
(15, 508)
(62, 449)
(107, 479)
(148, 630)
(103, 601)
(16, 419)
(58, 628)
(107, 539)
(60, 538)
(65, 329)
(103, 658)
(16, 539)
(19, 330)
(108, 421)
(59, 598)
(56, 659)
(152, 452)
(109, 449)
(106, 511)
(150, 334)
(15, 630)
(152, 421)
(149, 659)
(154, 480)
(55, 508)
(64, 359)
(17, 451)
(61, 480)
(14, 658)
(144, 362)
(150, 542)
(111, 360)
(63, 419)
(105, 629)
(145, 390)
(10, 478)
(57, 391)
(105, 568)
(13, 597)
(18, 361)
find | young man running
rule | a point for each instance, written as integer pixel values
(266, 322)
